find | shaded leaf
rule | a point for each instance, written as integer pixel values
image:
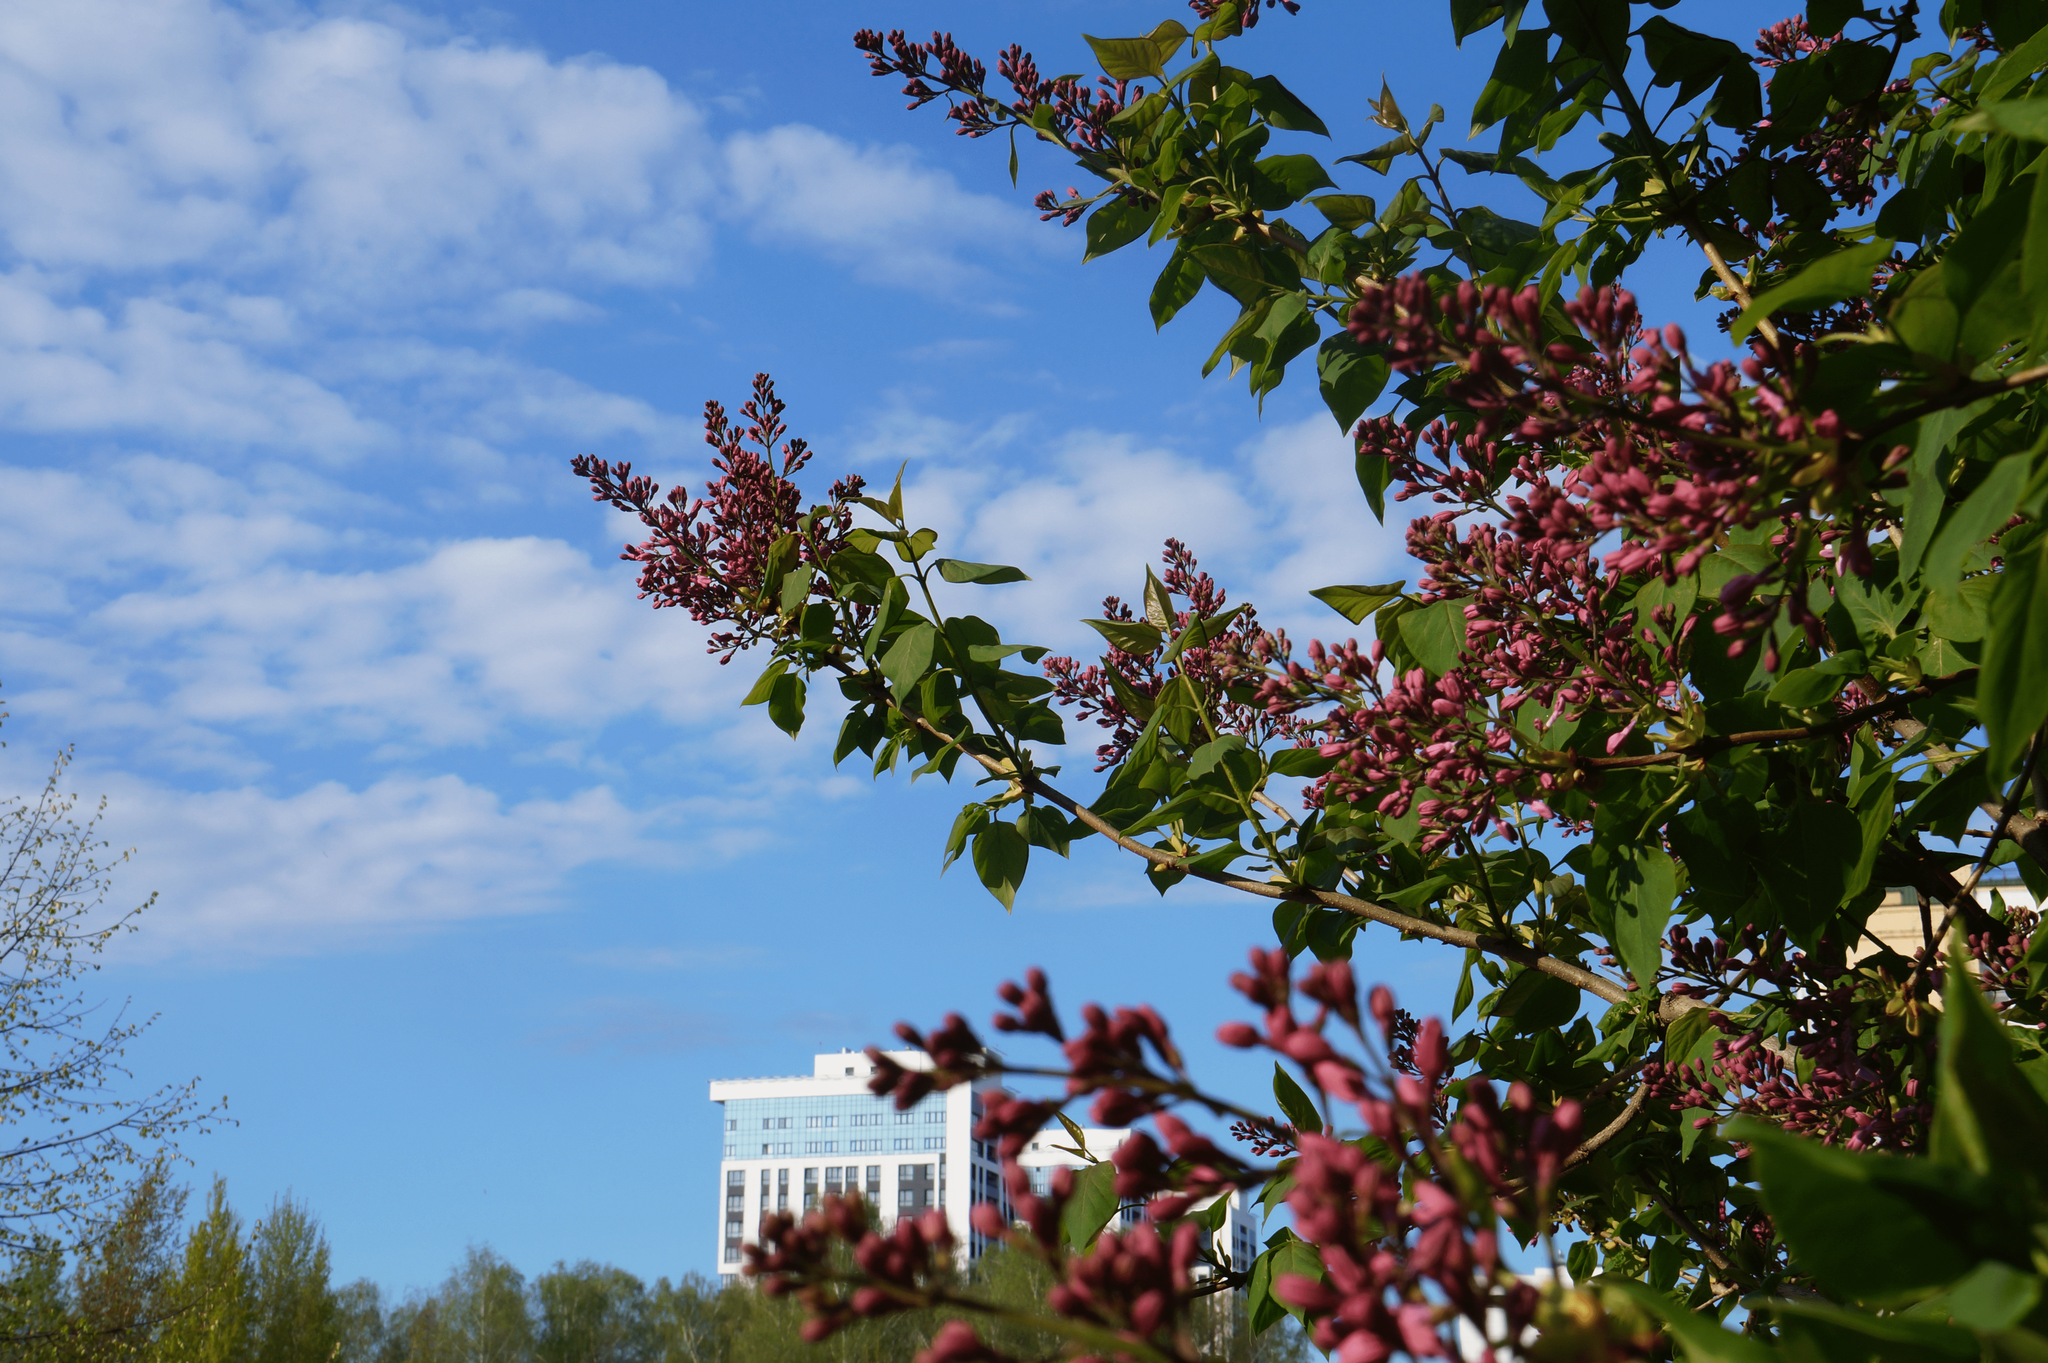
(988, 574)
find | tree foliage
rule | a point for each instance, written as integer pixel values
(75, 1131)
(1704, 648)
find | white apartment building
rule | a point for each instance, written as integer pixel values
(793, 1140)
(1237, 1237)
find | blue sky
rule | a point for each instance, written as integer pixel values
(471, 873)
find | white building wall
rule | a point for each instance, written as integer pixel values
(827, 1122)
(1236, 1241)
(833, 1124)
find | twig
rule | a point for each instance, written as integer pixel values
(1718, 743)
(1571, 973)
(2012, 801)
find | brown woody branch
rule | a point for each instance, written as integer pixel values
(1719, 743)
(1570, 972)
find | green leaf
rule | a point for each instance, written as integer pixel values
(1980, 516)
(764, 685)
(1826, 18)
(1700, 1336)
(1158, 602)
(1288, 1254)
(2014, 67)
(786, 704)
(1436, 634)
(1868, 1226)
(2012, 696)
(1044, 826)
(1537, 1002)
(2022, 118)
(1638, 885)
(988, 574)
(1845, 274)
(1281, 181)
(1130, 58)
(1994, 1297)
(1116, 224)
(1520, 74)
(1177, 285)
(1135, 637)
(966, 825)
(1299, 1108)
(908, 658)
(1348, 212)
(1813, 859)
(1091, 1206)
(1802, 688)
(1308, 762)
(1350, 376)
(1277, 105)
(1987, 1117)
(1355, 603)
(1000, 856)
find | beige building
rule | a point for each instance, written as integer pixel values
(1898, 923)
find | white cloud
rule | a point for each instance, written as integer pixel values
(1271, 520)
(246, 872)
(367, 161)
(199, 608)
(238, 228)
(878, 210)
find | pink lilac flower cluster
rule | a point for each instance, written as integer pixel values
(1841, 152)
(1616, 434)
(1863, 1067)
(1400, 1264)
(1405, 1225)
(1206, 9)
(1213, 666)
(711, 555)
(1080, 115)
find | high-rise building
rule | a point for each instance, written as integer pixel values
(793, 1140)
(1236, 1241)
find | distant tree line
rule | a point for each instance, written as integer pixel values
(152, 1284)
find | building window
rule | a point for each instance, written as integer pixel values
(731, 1150)
(732, 1254)
(905, 1118)
(732, 1123)
(905, 1143)
(906, 1198)
(937, 1114)
(927, 1173)
(927, 1197)
(736, 1178)
(935, 1142)
(735, 1202)
(732, 1229)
